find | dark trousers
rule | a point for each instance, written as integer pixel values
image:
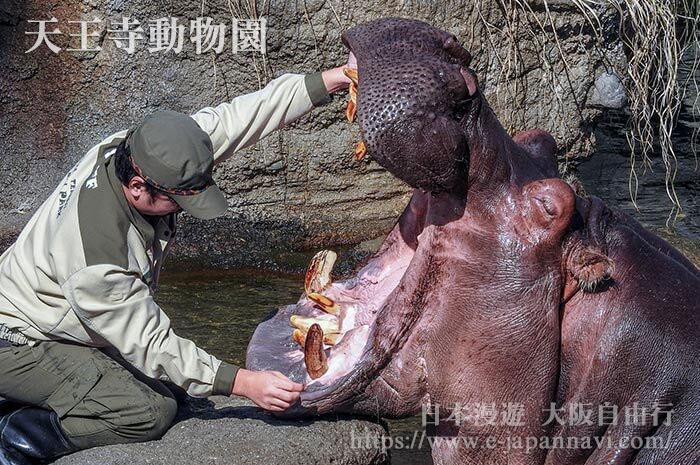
(100, 399)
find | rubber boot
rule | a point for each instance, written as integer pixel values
(30, 435)
(9, 456)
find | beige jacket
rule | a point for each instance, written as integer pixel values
(86, 265)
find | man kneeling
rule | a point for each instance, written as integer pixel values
(83, 344)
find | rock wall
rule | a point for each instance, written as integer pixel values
(301, 186)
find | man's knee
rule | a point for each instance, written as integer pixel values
(127, 413)
(122, 407)
(143, 408)
(145, 414)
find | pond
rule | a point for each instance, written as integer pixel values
(606, 174)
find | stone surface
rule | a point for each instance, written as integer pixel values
(609, 92)
(299, 187)
(233, 431)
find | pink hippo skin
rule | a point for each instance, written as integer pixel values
(497, 286)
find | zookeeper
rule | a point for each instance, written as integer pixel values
(83, 344)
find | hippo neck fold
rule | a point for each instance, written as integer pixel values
(496, 162)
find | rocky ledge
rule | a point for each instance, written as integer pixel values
(232, 431)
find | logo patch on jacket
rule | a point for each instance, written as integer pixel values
(91, 181)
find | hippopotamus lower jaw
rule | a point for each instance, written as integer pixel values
(371, 316)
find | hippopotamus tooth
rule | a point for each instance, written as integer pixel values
(331, 339)
(351, 109)
(360, 151)
(314, 356)
(304, 323)
(352, 92)
(326, 303)
(299, 336)
(318, 274)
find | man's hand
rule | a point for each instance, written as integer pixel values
(270, 390)
(335, 79)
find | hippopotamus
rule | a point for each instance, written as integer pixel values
(505, 303)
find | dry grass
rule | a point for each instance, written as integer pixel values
(506, 46)
(656, 33)
(246, 9)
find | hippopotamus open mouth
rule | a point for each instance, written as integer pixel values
(424, 120)
(498, 284)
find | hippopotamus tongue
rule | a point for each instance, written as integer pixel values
(413, 95)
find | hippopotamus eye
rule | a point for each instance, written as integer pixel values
(550, 208)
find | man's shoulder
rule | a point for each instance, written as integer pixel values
(102, 221)
(103, 229)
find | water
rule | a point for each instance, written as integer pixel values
(220, 309)
(606, 173)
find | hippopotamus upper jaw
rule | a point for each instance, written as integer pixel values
(423, 117)
(417, 100)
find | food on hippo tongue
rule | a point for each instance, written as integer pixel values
(314, 356)
(326, 303)
(304, 323)
(331, 339)
(318, 274)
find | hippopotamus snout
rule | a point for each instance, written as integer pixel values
(415, 98)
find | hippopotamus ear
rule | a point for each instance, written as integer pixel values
(542, 148)
(589, 267)
(549, 206)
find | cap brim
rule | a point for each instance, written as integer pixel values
(206, 205)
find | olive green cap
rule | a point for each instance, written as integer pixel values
(172, 153)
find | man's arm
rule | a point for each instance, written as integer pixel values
(116, 305)
(248, 118)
